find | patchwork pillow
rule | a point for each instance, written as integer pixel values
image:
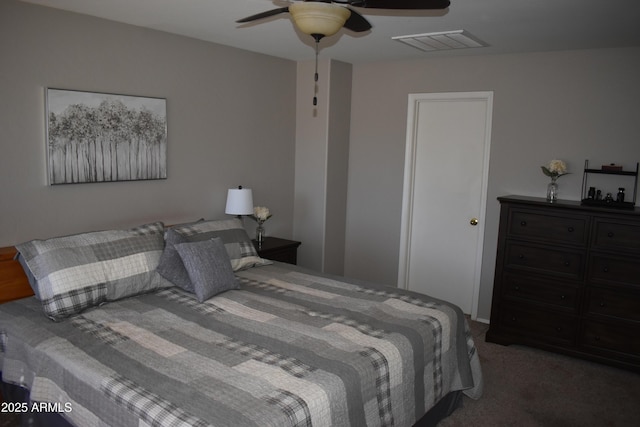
(208, 266)
(28, 273)
(236, 240)
(76, 272)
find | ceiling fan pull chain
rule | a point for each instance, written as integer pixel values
(315, 76)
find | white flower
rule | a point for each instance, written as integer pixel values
(261, 213)
(555, 169)
(557, 166)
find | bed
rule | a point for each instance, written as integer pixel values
(187, 326)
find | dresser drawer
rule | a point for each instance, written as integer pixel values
(549, 227)
(611, 336)
(606, 269)
(516, 286)
(541, 325)
(616, 235)
(542, 259)
(614, 303)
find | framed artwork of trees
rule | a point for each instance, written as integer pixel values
(99, 137)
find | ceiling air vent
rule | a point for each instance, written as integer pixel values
(446, 40)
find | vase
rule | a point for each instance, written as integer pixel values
(552, 190)
(260, 233)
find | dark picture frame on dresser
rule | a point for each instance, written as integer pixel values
(567, 280)
(277, 249)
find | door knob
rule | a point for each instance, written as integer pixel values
(474, 221)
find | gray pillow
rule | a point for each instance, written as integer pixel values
(171, 266)
(236, 241)
(27, 271)
(208, 266)
(73, 273)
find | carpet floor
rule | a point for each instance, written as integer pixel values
(526, 387)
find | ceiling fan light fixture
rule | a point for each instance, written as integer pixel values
(315, 18)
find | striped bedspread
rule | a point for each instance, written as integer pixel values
(290, 348)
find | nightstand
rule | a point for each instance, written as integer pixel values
(277, 249)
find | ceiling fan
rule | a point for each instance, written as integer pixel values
(322, 18)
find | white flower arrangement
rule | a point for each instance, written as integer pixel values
(260, 214)
(555, 169)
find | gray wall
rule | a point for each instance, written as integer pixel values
(322, 154)
(569, 105)
(226, 127)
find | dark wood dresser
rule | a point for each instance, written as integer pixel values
(567, 279)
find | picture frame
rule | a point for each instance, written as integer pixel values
(103, 137)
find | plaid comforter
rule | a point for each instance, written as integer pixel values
(290, 348)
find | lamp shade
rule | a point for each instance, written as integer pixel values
(319, 18)
(239, 201)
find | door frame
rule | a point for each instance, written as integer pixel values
(409, 184)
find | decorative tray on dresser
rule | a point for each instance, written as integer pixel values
(567, 279)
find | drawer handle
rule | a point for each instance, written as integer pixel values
(602, 304)
(521, 256)
(517, 288)
(610, 234)
(514, 319)
(605, 269)
(567, 263)
(570, 229)
(523, 223)
(563, 297)
(559, 328)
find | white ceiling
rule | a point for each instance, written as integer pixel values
(507, 26)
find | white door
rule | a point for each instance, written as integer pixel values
(445, 186)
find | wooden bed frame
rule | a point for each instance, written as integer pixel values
(13, 281)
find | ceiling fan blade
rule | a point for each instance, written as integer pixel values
(401, 4)
(263, 15)
(357, 22)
